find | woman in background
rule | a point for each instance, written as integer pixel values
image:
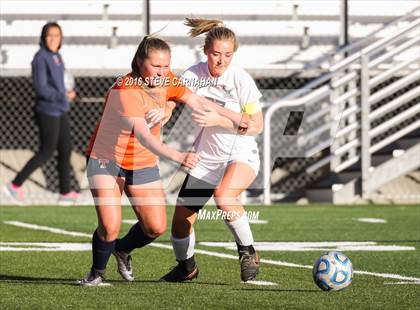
(51, 113)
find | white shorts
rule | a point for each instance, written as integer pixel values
(212, 172)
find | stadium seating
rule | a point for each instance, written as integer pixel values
(88, 27)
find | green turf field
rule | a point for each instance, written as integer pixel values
(386, 279)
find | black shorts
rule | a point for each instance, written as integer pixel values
(194, 193)
(132, 177)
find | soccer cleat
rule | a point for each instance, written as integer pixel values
(68, 199)
(14, 192)
(124, 265)
(180, 274)
(250, 266)
(94, 278)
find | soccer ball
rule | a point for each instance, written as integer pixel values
(333, 271)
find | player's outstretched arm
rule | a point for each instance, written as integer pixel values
(197, 102)
(208, 117)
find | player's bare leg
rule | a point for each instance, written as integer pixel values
(148, 203)
(106, 191)
(238, 176)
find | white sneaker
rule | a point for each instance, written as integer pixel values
(94, 278)
(124, 265)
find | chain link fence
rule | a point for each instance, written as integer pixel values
(20, 133)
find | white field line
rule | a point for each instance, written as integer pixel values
(256, 221)
(343, 246)
(46, 228)
(131, 222)
(44, 246)
(371, 220)
(214, 254)
(257, 282)
(399, 283)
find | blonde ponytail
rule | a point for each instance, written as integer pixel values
(201, 25)
(214, 29)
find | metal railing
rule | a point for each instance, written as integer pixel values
(353, 106)
(340, 52)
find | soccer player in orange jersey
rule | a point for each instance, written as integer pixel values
(123, 156)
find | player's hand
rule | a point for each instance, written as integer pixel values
(167, 116)
(190, 159)
(71, 94)
(206, 117)
(155, 116)
(170, 106)
(244, 124)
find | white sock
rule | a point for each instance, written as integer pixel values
(183, 247)
(241, 230)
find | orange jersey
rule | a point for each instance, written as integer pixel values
(113, 139)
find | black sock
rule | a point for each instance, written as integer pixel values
(188, 264)
(101, 251)
(134, 239)
(245, 249)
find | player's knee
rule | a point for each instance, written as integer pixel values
(155, 230)
(225, 197)
(221, 192)
(109, 232)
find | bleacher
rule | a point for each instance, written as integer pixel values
(106, 33)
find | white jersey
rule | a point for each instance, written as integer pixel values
(232, 90)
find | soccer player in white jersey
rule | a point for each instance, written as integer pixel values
(229, 160)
